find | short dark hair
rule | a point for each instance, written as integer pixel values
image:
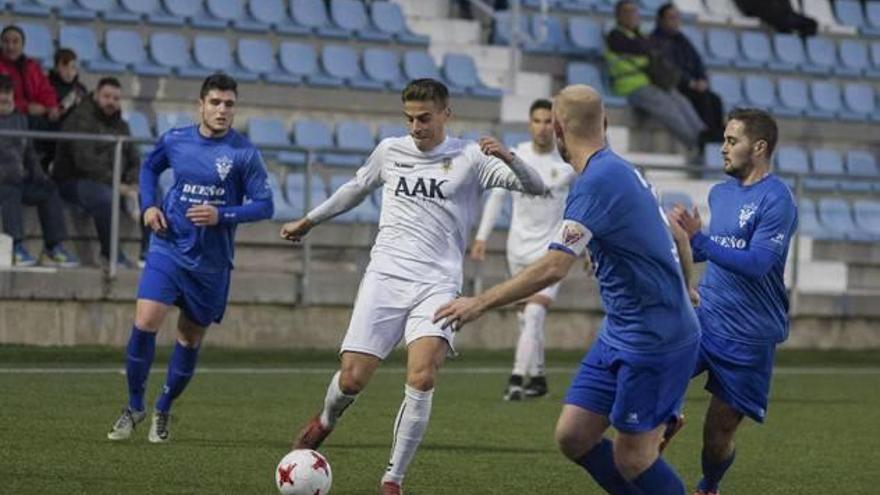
(6, 85)
(108, 81)
(758, 125)
(63, 56)
(540, 104)
(13, 27)
(426, 89)
(620, 4)
(220, 82)
(664, 9)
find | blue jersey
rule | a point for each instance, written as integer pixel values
(216, 171)
(612, 212)
(743, 293)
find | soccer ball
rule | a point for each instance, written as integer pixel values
(303, 472)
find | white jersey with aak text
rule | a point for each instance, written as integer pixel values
(428, 204)
(534, 219)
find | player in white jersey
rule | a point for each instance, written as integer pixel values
(432, 185)
(534, 222)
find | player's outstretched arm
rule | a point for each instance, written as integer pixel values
(548, 270)
(296, 230)
(491, 210)
(527, 178)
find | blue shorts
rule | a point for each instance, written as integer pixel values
(201, 296)
(636, 391)
(739, 373)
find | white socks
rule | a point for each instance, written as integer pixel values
(529, 358)
(335, 403)
(409, 429)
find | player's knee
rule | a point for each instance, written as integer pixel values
(572, 444)
(421, 380)
(633, 461)
(352, 381)
(148, 321)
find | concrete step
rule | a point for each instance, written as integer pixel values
(863, 277)
(424, 9)
(444, 31)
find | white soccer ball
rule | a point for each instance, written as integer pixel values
(303, 472)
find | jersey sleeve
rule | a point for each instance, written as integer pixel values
(775, 226)
(350, 194)
(516, 176)
(155, 164)
(586, 205)
(255, 184)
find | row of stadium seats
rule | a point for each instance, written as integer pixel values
(346, 19)
(851, 13)
(169, 53)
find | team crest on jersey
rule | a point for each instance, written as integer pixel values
(224, 166)
(746, 213)
(447, 164)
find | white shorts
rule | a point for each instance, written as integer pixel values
(548, 292)
(389, 308)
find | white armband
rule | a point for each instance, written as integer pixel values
(572, 238)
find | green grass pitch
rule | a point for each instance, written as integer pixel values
(230, 428)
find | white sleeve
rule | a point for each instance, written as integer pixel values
(515, 176)
(350, 194)
(493, 207)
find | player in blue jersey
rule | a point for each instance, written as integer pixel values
(191, 250)
(636, 373)
(743, 307)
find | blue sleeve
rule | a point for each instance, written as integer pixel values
(155, 164)
(767, 246)
(585, 205)
(256, 188)
(698, 254)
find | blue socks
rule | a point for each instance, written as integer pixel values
(180, 371)
(713, 472)
(660, 479)
(138, 358)
(599, 462)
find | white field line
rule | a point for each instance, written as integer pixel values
(781, 370)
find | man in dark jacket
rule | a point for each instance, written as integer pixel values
(23, 182)
(693, 83)
(84, 169)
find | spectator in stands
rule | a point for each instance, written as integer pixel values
(780, 15)
(692, 83)
(34, 95)
(84, 170)
(64, 77)
(23, 182)
(465, 11)
(643, 76)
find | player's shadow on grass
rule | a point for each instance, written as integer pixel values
(446, 448)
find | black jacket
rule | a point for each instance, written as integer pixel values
(679, 50)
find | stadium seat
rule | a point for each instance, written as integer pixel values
(301, 60)
(313, 15)
(512, 138)
(792, 160)
(295, 187)
(172, 50)
(264, 131)
(459, 69)
(725, 11)
(66, 9)
(874, 68)
(793, 97)
(418, 64)
(548, 36)
(138, 124)
(30, 7)
(695, 36)
(283, 211)
(503, 32)
(789, 51)
(165, 121)
(825, 161)
(808, 220)
(195, 14)
(849, 13)
(722, 49)
(836, 217)
(859, 101)
(853, 58)
(821, 55)
(127, 48)
(585, 73)
(213, 53)
(712, 158)
(728, 88)
(585, 36)
(669, 199)
(577, 6)
(861, 164)
(867, 217)
(760, 92)
(351, 15)
(756, 52)
(384, 66)
(84, 41)
(219, 14)
(391, 130)
(872, 18)
(341, 61)
(826, 99)
(313, 134)
(258, 57)
(388, 18)
(39, 42)
(350, 136)
(151, 10)
(264, 15)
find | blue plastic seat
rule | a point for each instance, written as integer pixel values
(312, 134)
(549, 37)
(459, 69)
(853, 58)
(808, 220)
(789, 51)
(171, 50)
(138, 124)
(391, 130)
(792, 160)
(729, 88)
(825, 161)
(271, 14)
(836, 217)
(313, 15)
(69, 10)
(272, 132)
(32, 7)
(301, 60)
(213, 53)
(586, 73)
(341, 61)
(585, 35)
(384, 66)
(821, 55)
(859, 101)
(351, 15)
(503, 32)
(295, 186)
(165, 121)
(258, 57)
(194, 14)
(418, 64)
(861, 164)
(756, 51)
(669, 199)
(695, 36)
(874, 56)
(127, 49)
(39, 43)
(826, 99)
(712, 158)
(722, 49)
(760, 92)
(867, 217)
(153, 11)
(849, 13)
(283, 211)
(792, 97)
(220, 14)
(83, 41)
(513, 138)
(354, 136)
(872, 18)
(388, 18)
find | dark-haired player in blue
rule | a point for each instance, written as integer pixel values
(635, 376)
(191, 250)
(743, 307)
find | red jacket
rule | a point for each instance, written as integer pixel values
(31, 84)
